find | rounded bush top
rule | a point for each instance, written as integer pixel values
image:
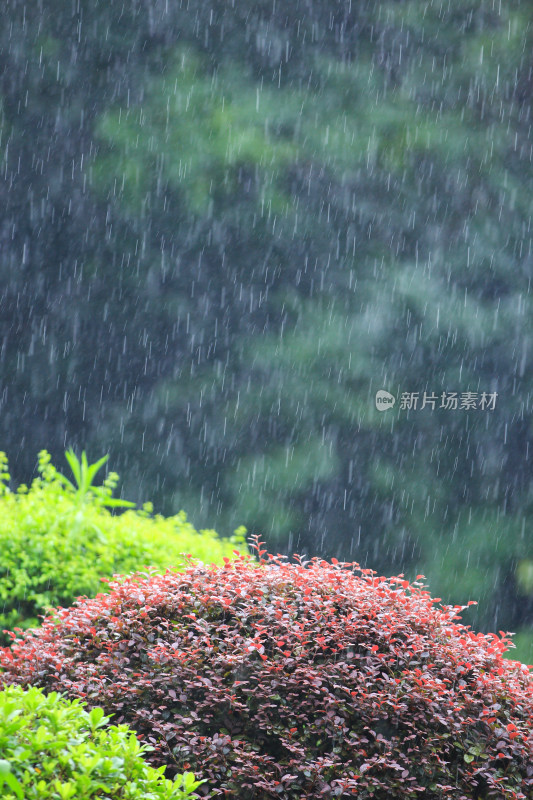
(53, 748)
(289, 680)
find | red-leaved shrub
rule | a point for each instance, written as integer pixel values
(304, 680)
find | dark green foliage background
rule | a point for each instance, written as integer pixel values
(226, 225)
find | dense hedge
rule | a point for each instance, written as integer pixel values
(296, 680)
(52, 749)
(57, 540)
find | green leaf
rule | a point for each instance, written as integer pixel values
(97, 717)
(93, 468)
(7, 777)
(115, 503)
(74, 466)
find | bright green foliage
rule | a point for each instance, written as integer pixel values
(84, 475)
(57, 541)
(53, 749)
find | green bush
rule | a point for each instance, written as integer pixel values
(52, 749)
(57, 540)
